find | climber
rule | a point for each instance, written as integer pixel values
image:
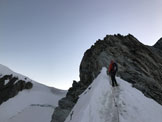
(113, 68)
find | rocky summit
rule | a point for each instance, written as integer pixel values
(138, 64)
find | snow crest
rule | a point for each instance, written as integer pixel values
(102, 103)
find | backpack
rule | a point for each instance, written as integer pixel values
(111, 67)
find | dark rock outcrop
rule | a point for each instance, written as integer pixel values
(138, 64)
(157, 48)
(28, 85)
(158, 44)
(12, 87)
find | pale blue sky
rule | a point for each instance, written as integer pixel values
(46, 39)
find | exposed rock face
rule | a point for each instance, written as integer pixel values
(158, 47)
(138, 64)
(12, 87)
(159, 44)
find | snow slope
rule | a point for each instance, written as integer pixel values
(102, 103)
(35, 105)
(5, 70)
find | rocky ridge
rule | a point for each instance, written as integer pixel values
(138, 64)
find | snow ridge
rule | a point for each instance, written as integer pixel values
(102, 103)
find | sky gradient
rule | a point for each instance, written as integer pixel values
(46, 39)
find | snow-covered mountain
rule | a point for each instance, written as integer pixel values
(138, 64)
(138, 98)
(100, 102)
(29, 105)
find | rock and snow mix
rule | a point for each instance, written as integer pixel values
(102, 103)
(34, 105)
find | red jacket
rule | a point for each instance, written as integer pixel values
(111, 66)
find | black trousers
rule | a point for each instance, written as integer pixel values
(114, 83)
